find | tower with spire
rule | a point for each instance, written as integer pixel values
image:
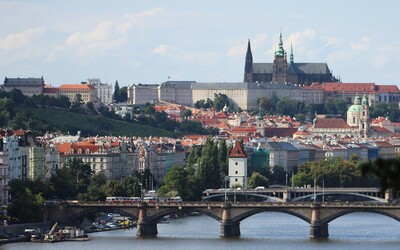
(282, 71)
(248, 65)
(280, 67)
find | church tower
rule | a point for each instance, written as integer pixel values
(260, 124)
(248, 65)
(280, 65)
(364, 118)
(238, 167)
(358, 117)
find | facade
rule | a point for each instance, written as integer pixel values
(104, 90)
(28, 86)
(237, 166)
(282, 71)
(36, 163)
(348, 91)
(17, 158)
(142, 93)
(88, 93)
(283, 154)
(4, 176)
(176, 92)
(50, 160)
(111, 160)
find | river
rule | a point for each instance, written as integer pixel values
(268, 230)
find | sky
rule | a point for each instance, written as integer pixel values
(150, 42)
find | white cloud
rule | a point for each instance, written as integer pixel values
(23, 45)
(205, 58)
(21, 39)
(362, 44)
(239, 50)
(105, 37)
(332, 41)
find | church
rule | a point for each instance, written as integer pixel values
(357, 124)
(282, 71)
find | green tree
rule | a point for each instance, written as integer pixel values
(115, 188)
(175, 183)
(286, 106)
(116, 91)
(265, 104)
(95, 190)
(220, 100)
(187, 113)
(223, 158)
(256, 179)
(205, 167)
(386, 170)
(123, 94)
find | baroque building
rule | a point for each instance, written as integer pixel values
(280, 70)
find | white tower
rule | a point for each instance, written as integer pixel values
(238, 167)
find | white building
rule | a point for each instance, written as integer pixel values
(238, 167)
(4, 177)
(104, 90)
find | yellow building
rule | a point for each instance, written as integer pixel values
(87, 92)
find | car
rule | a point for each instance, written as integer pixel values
(259, 188)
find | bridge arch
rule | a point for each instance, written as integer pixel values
(350, 197)
(262, 197)
(85, 211)
(341, 213)
(249, 213)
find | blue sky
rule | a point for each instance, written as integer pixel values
(149, 41)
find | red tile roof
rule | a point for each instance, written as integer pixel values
(331, 123)
(237, 151)
(76, 86)
(280, 132)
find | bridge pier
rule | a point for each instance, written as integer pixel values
(144, 227)
(228, 226)
(318, 229)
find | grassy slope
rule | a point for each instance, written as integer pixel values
(93, 125)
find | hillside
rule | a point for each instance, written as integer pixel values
(92, 125)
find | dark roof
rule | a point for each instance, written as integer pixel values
(301, 68)
(278, 146)
(10, 82)
(280, 132)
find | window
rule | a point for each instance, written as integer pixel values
(236, 163)
(236, 172)
(236, 179)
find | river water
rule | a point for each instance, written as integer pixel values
(268, 230)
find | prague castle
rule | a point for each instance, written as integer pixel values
(282, 71)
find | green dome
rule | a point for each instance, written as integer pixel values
(354, 108)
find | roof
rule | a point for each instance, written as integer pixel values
(349, 87)
(380, 129)
(9, 82)
(331, 123)
(237, 151)
(300, 68)
(76, 86)
(280, 132)
(278, 146)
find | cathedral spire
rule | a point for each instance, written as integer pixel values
(248, 65)
(291, 53)
(280, 51)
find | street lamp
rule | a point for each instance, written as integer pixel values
(315, 195)
(323, 190)
(225, 180)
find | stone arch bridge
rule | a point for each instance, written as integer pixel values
(318, 215)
